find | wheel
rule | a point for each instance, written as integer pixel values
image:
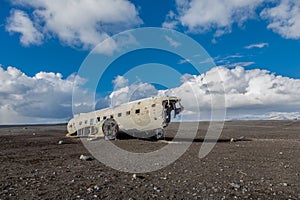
(159, 134)
(110, 129)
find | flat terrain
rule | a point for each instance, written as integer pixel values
(252, 159)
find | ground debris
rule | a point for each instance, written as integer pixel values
(36, 167)
(235, 185)
(86, 158)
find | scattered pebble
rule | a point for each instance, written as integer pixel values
(96, 187)
(235, 185)
(156, 189)
(60, 142)
(86, 158)
(89, 190)
(133, 176)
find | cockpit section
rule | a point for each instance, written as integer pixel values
(171, 107)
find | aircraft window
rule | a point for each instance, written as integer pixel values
(119, 114)
(98, 119)
(85, 121)
(128, 113)
(137, 111)
(153, 105)
(104, 117)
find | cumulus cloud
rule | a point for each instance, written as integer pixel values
(45, 97)
(202, 16)
(258, 45)
(19, 22)
(131, 92)
(249, 94)
(245, 90)
(284, 18)
(77, 23)
(120, 81)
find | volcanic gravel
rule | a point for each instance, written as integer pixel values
(251, 159)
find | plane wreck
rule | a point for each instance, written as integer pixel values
(142, 118)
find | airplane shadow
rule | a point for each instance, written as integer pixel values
(125, 136)
(201, 140)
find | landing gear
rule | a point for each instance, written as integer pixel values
(159, 134)
(110, 129)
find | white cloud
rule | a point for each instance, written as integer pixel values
(79, 23)
(172, 42)
(171, 21)
(234, 56)
(183, 61)
(202, 16)
(19, 22)
(131, 92)
(247, 93)
(45, 97)
(120, 81)
(248, 88)
(284, 18)
(241, 64)
(258, 45)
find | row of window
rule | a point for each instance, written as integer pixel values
(137, 111)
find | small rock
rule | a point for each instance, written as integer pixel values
(86, 158)
(60, 142)
(285, 184)
(156, 189)
(96, 187)
(235, 185)
(133, 176)
(90, 190)
(280, 153)
(232, 140)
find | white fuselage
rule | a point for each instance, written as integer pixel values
(141, 115)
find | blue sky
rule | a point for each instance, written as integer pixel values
(40, 36)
